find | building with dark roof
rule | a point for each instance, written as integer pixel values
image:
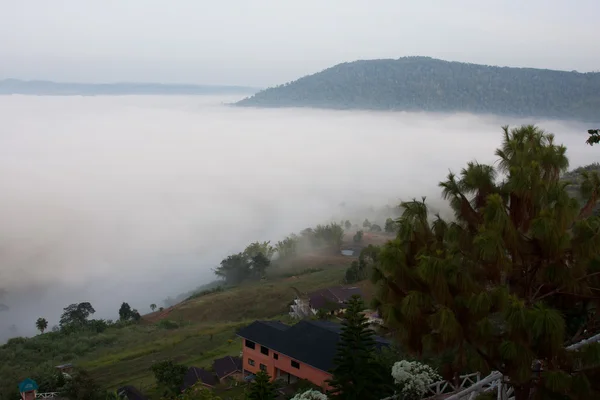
(228, 367)
(196, 375)
(332, 298)
(302, 351)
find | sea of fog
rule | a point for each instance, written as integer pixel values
(136, 198)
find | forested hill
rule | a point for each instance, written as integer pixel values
(427, 84)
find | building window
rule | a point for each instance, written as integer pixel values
(264, 350)
(251, 362)
(263, 367)
(295, 364)
(250, 344)
(276, 356)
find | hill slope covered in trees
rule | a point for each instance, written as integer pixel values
(427, 84)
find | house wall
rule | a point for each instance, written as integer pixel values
(283, 363)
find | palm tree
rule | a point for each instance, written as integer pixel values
(512, 279)
(41, 324)
(153, 307)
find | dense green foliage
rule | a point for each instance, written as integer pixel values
(169, 376)
(594, 137)
(255, 260)
(76, 314)
(357, 375)
(427, 84)
(262, 388)
(515, 278)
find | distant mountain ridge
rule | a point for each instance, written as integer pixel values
(428, 84)
(49, 88)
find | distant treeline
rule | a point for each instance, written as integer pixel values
(16, 86)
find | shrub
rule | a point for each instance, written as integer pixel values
(167, 324)
(310, 395)
(414, 378)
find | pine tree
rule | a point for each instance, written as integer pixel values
(513, 279)
(262, 388)
(356, 374)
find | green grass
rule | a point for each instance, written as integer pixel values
(206, 330)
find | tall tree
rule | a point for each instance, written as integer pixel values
(125, 312)
(356, 374)
(76, 314)
(262, 388)
(287, 247)
(41, 324)
(260, 263)
(331, 235)
(234, 269)
(255, 248)
(513, 279)
(153, 307)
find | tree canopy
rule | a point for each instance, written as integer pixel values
(514, 278)
(41, 324)
(76, 314)
(262, 388)
(427, 84)
(594, 137)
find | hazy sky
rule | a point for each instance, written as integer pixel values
(267, 42)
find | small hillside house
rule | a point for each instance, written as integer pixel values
(228, 368)
(198, 376)
(332, 300)
(302, 351)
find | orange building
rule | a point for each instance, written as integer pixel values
(302, 351)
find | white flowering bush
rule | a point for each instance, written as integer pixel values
(310, 395)
(414, 378)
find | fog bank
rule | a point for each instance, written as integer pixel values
(111, 199)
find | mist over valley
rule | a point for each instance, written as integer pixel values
(109, 199)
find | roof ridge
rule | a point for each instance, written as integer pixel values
(335, 296)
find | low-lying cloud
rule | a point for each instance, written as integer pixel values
(111, 199)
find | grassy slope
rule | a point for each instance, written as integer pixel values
(217, 314)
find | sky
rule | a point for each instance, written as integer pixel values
(268, 42)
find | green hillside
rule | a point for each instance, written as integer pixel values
(427, 84)
(193, 332)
